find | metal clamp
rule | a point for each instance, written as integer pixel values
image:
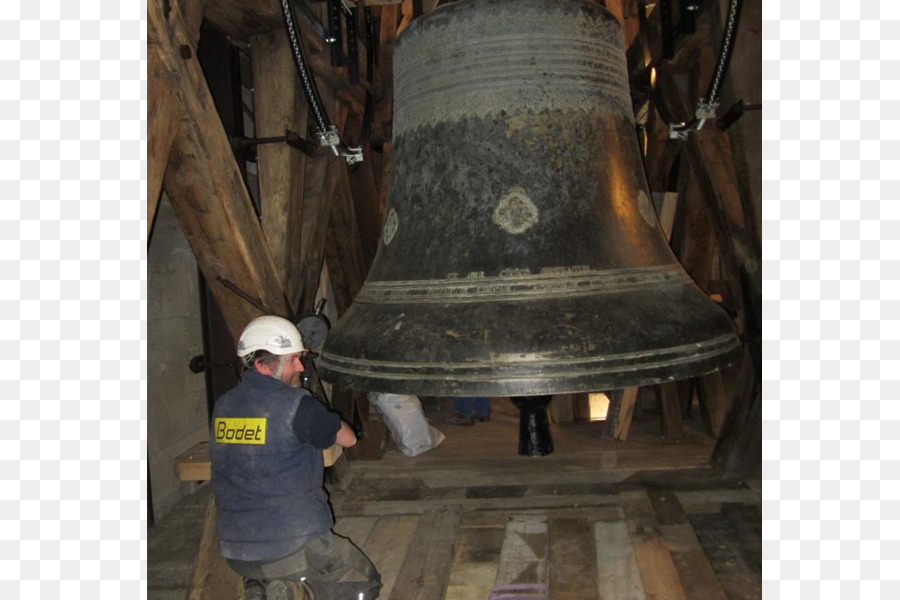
(352, 155)
(331, 139)
(678, 131)
(705, 110)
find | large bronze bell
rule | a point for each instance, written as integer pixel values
(521, 254)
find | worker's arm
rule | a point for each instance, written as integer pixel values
(345, 436)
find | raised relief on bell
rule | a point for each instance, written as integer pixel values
(646, 209)
(515, 213)
(390, 227)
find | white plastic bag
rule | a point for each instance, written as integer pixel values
(405, 420)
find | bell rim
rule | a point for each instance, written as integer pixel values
(532, 377)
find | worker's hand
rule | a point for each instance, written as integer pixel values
(345, 436)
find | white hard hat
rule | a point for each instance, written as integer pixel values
(273, 334)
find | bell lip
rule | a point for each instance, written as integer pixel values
(539, 381)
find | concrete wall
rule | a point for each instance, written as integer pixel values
(176, 397)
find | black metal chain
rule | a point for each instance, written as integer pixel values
(309, 85)
(734, 9)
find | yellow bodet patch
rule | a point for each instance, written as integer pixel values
(239, 430)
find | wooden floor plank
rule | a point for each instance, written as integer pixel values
(475, 562)
(618, 576)
(536, 503)
(426, 568)
(523, 557)
(696, 574)
(658, 572)
(666, 507)
(747, 521)
(710, 501)
(357, 529)
(573, 560)
(722, 546)
(499, 518)
(386, 546)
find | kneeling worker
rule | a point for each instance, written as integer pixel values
(273, 519)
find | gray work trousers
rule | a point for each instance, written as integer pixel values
(332, 565)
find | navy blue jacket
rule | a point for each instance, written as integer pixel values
(267, 483)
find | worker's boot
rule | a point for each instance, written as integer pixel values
(280, 589)
(458, 419)
(253, 590)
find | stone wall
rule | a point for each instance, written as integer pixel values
(176, 397)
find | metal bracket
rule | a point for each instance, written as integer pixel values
(705, 110)
(678, 131)
(290, 138)
(331, 138)
(353, 155)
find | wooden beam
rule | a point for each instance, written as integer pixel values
(426, 568)
(363, 189)
(694, 571)
(343, 250)
(708, 153)
(384, 92)
(714, 400)
(280, 104)
(242, 20)
(626, 413)
(163, 117)
(671, 411)
(206, 189)
(618, 575)
(163, 110)
(693, 235)
(657, 569)
(212, 578)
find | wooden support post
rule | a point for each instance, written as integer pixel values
(561, 408)
(384, 96)
(686, 390)
(667, 213)
(163, 118)
(206, 188)
(280, 104)
(612, 414)
(714, 401)
(667, 394)
(163, 109)
(343, 248)
(626, 413)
